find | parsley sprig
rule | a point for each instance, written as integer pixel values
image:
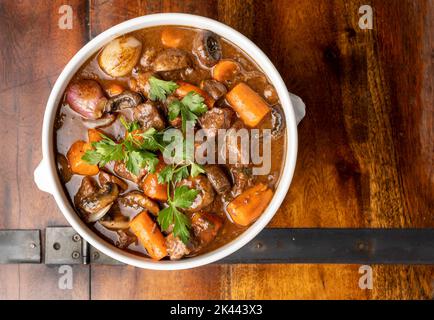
(182, 198)
(136, 150)
(159, 89)
(190, 108)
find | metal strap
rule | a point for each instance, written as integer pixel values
(348, 246)
(20, 246)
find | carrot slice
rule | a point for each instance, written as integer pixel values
(184, 88)
(248, 104)
(77, 164)
(152, 188)
(114, 89)
(225, 70)
(94, 135)
(249, 205)
(171, 37)
(149, 235)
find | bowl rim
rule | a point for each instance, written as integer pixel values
(161, 19)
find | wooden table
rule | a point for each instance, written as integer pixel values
(365, 154)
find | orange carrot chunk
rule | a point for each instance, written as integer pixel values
(114, 89)
(149, 235)
(77, 164)
(249, 205)
(94, 135)
(152, 188)
(248, 104)
(184, 88)
(171, 37)
(225, 70)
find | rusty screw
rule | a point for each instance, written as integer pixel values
(76, 237)
(95, 256)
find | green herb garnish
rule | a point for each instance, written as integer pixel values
(190, 107)
(104, 151)
(159, 89)
(136, 151)
(183, 197)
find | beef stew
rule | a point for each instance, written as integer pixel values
(111, 147)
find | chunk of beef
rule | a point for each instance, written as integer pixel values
(121, 170)
(148, 115)
(176, 248)
(216, 118)
(218, 178)
(214, 88)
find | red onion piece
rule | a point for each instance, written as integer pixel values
(87, 98)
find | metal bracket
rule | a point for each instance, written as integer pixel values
(20, 246)
(349, 246)
(63, 245)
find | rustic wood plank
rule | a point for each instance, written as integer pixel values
(348, 173)
(105, 14)
(330, 282)
(365, 155)
(33, 52)
(201, 283)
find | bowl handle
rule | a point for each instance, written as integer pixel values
(299, 107)
(42, 177)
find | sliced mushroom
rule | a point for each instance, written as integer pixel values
(104, 121)
(105, 177)
(171, 59)
(93, 202)
(207, 48)
(119, 57)
(277, 121)
(64, 168)
(115, 220)
(137, 200)
(206, 192)
(218, 178)
(87, 98)
(125, 100)
(214, 88)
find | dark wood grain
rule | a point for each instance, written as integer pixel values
(33, 52)
(365, 147)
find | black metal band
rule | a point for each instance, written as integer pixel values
(345, 246)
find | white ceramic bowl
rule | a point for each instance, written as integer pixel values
(47, 179)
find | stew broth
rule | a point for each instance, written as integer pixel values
(71, 126)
